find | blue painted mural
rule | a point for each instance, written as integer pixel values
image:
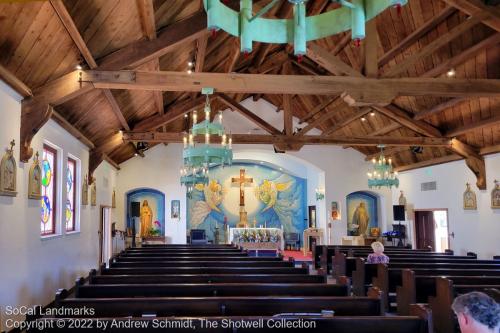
(274, 198)
(152, 219)
(362, 214)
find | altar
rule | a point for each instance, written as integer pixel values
(257, 238)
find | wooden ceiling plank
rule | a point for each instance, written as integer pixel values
(318, 121)
(474, 126)
(111, 161)
(432, 47)
(16, 84)
(297, 140)
(248, 114)
(58, 118)
(439, 108)
(463, 56)
(173, 113)
(77, 38)
(201, 47)
(402, 117)
(375, 91)
(428, 163)
(416, 35)
(478, 7)
(318, 109)
(386, 129)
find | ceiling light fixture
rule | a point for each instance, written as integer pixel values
(363, 119)
(372, 114)
(451, 73)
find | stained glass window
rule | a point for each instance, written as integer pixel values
(70, 209)
(49, 179)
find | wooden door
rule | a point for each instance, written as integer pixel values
(425, 226)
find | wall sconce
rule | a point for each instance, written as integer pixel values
(320, 194)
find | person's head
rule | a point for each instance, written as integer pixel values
(477, 312)
(378, 247)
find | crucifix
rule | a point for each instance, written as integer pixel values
(241, 182)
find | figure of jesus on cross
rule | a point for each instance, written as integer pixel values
(241, 182)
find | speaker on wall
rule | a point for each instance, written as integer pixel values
(135, 209)
(398, 212)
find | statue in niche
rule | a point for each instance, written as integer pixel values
(361, 218)
(146, 219)
(85, 192)
(495, 195)
(402, 199)
(470, 201)
(35, 179)
(113, 199)
(8, 173)
(93, 193)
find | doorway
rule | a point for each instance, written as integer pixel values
(431, 226)
(105, 240)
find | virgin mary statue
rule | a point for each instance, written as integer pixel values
(146, 219)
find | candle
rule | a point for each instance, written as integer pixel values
(207, 138)
(185, 141)
(191, 140)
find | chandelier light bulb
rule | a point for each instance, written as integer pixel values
(185, 141)
(191, 140)
(207, 138)
(230, 142)
(195, 117)
(220, 117)
(224, 138)
(190, 64)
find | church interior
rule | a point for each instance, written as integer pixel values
(236, 165)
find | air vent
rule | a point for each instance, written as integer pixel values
(429, 186)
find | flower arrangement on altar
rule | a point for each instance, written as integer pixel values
(256, 236)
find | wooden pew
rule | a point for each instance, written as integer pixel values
(190, 246)
(222, 306)
(446, 291)
(418, 322)
(181, 254)
(232, 258)
(203, 270)
(418, 288)
(187, 250)
(223, 263)
(207, 290)
(206, 278)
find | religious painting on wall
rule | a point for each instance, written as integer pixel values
(8, 172)
(335, 210)
(362, 213)
(85, 192)
(175, 209)
(495, 195)
(470, 201)
(35, 179)
(151, 221)
(248, 194)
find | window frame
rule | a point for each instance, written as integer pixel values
(74, 208)
(55, 174)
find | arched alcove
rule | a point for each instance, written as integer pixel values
(155, 200)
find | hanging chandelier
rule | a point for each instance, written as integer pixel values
(383, 173)
(298, 30)
(198, 158)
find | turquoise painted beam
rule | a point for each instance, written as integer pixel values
(299, 30)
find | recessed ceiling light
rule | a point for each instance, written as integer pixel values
(363, 119)
(190, 64)
(78, 67)
(189, 71)
(451, 73)
(186, 115)
(372, 113)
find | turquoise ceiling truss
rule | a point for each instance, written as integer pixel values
(299, 30)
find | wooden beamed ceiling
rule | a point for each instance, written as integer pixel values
(41, 44)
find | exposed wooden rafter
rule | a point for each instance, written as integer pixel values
(477, 7)
(355, 116)
(375, 91)
(296, 140)
(14, 82)
(474, 126)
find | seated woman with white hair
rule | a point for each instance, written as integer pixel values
(378, 256)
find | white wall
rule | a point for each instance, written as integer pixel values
(32, 269)
(339, 171)
(477, 231)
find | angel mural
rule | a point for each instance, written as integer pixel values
(283, 199)
(205, 213)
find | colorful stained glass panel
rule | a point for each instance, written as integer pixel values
(47, 219)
